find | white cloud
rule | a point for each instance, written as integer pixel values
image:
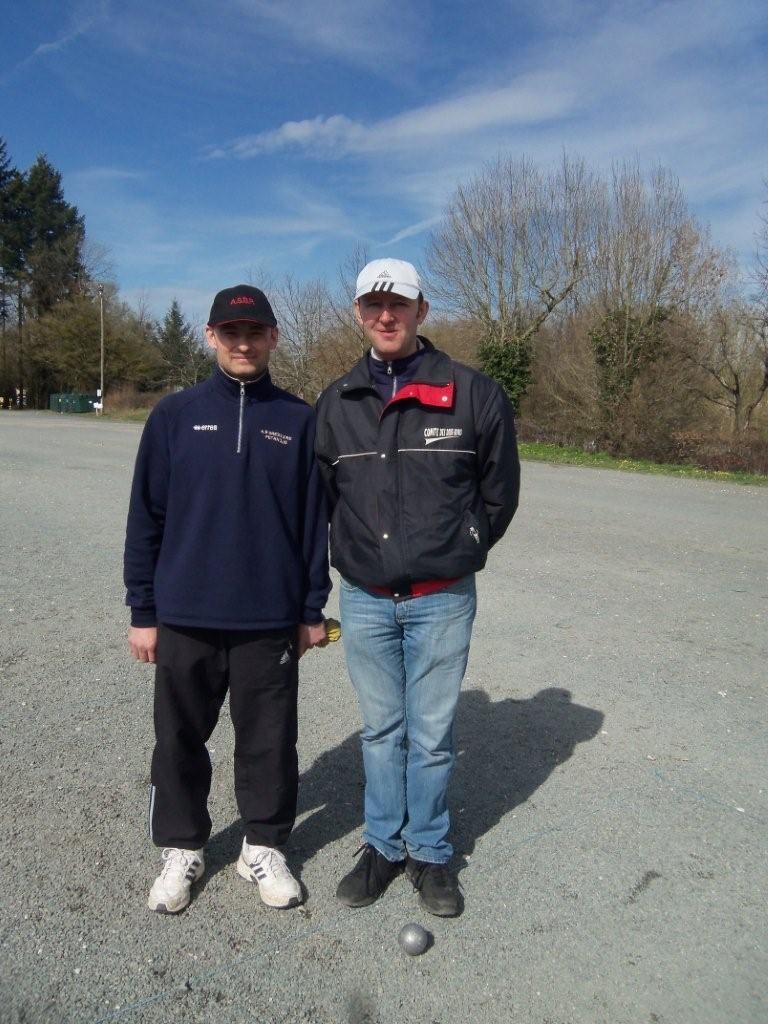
(326, 136)
(83, 21)
(93, 176)
(680, 84)
(528, 100)
(301, 214)
(411, 231)
(58, 44)
(354, 31)
(675, 83)
(286, 225)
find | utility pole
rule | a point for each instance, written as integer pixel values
(100, 408)
(20, 403)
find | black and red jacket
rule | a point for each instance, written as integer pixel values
(422, 486)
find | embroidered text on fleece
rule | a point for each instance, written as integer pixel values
(227, 526)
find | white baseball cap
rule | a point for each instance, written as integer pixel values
(396, 276)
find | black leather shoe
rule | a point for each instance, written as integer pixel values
(437, 886)
(368, 879)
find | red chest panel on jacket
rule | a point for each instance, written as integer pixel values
(439, 396)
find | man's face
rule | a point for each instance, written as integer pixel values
(242, 347)
(390, 322)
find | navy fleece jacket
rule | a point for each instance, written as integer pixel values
(227, 524)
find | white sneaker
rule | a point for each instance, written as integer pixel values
(266, 866)
(170, 893)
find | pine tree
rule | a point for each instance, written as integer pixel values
(41, 240)
(7, 172)
(8, 175)
(186, 361)
(11, 265)
(53, 239)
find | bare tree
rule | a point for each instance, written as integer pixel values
(761, 269)
(348, 270)
(461, 339)
(654, 264)
(303, 313)
(347, 329)
(98, 264)
(514, 247)
(562, 405)
(760, 275)
(650, 250)
(315, 347)
(724, 334)
(345, 340)
(730, 348)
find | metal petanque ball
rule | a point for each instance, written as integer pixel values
(413, 939)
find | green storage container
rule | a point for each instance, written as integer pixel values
(71, 402)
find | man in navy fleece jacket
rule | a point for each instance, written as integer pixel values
(226, 572)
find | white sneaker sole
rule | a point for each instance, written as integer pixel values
(267, 898)
(168, 906)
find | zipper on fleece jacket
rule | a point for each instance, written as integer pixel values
(240, 418)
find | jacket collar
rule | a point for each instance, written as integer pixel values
(230, 386)
(434, 368)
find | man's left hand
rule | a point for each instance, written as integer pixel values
(311, 636)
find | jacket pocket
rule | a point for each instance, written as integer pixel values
(474, 531)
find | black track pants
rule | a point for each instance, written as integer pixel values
(194, 669)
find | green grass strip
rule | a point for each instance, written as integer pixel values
(535, 451)
(128, 416)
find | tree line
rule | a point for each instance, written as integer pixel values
(602, 304)
(598, 301)
(52, 286)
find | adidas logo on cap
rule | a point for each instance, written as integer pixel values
(388, 275)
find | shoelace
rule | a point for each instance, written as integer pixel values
(177, 860)
(438, 872)
(370, 865)
(271, 861)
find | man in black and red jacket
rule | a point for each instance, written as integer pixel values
(226, 569)
(420, 462)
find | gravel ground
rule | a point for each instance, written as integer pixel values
(609, 802)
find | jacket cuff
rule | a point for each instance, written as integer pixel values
(143, 617)
(311, 616)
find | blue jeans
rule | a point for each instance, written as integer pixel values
(406, 661)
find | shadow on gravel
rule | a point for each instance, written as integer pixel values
(332, 788)
(506, 750)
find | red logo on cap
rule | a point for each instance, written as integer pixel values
(242, 300)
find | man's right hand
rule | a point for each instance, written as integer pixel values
(142, 641)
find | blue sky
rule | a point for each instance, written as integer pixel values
(208, 143)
